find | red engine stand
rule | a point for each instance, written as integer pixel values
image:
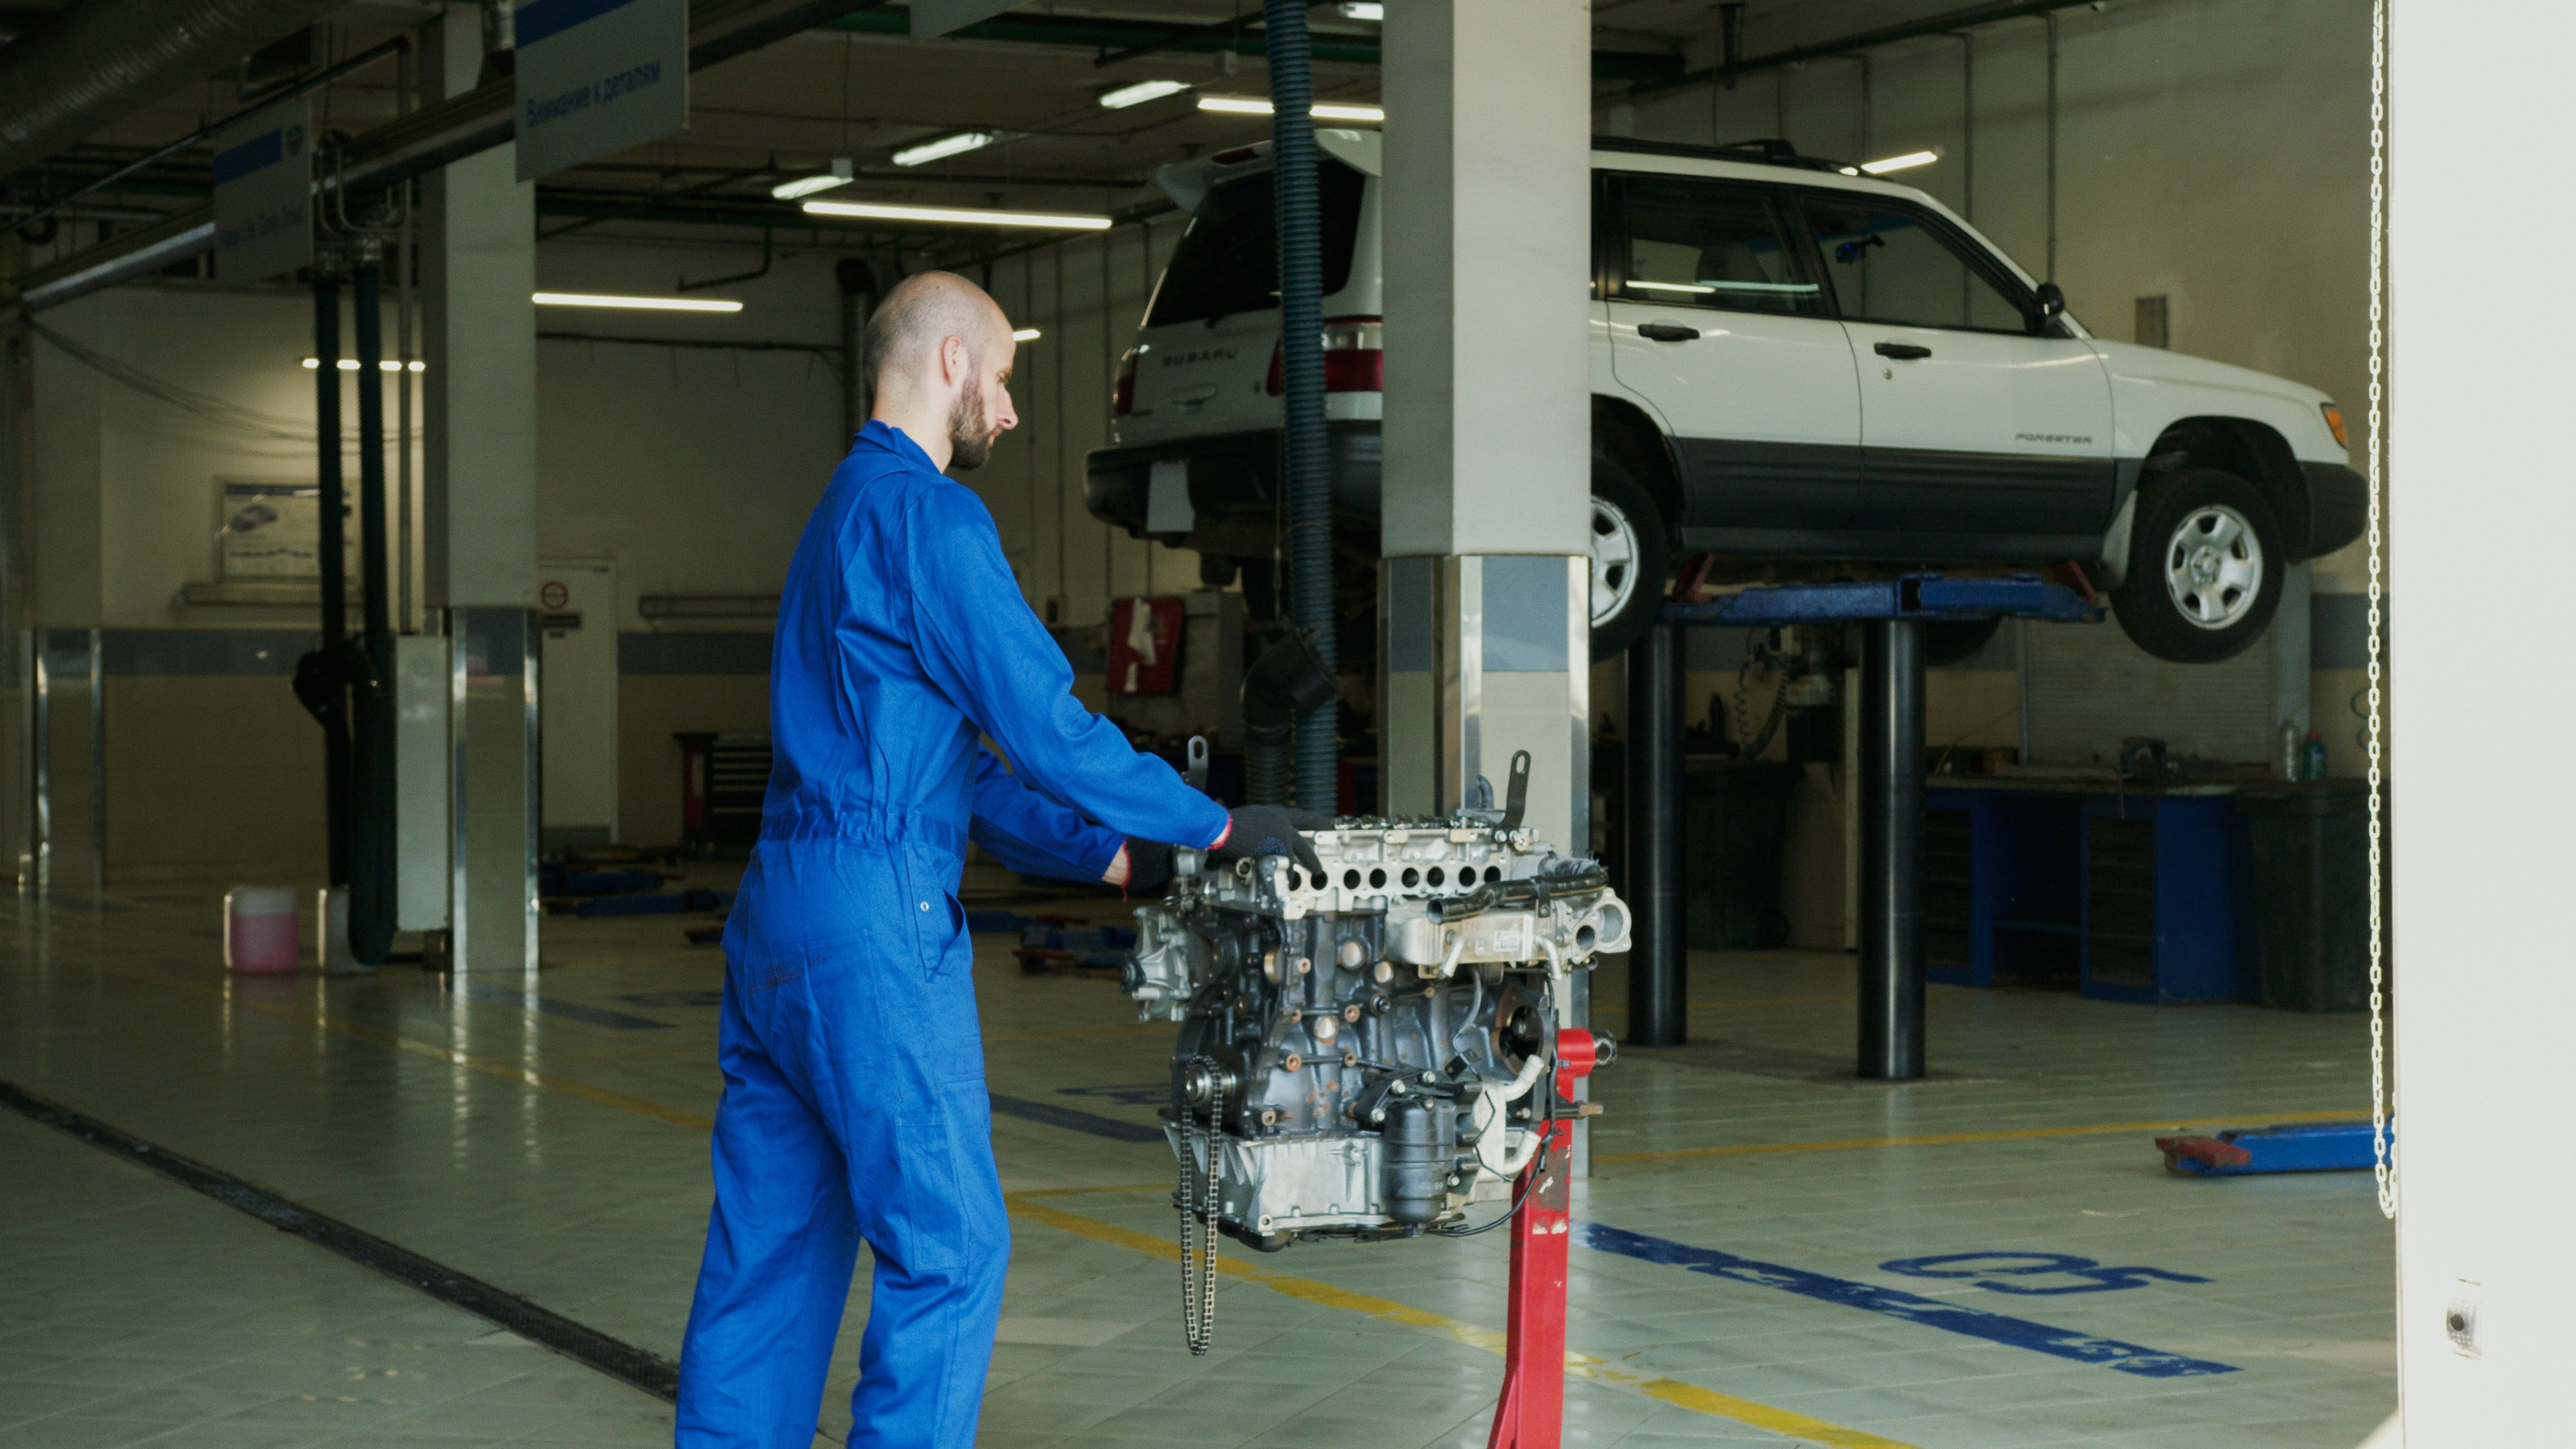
(1532, 1412)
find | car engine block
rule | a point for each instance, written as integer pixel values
(1366, 1051)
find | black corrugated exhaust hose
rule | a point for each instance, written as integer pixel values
(1301, 332)
(372, 866)
(319, 681)
(1287, 684)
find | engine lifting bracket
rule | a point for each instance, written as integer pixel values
(1531, 1414)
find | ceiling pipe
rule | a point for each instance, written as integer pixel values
(101, 61)
(431, 137)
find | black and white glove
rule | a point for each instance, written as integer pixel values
(1149, 866)
(1253, 831)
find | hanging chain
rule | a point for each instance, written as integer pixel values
(2383, 1167)
(1198, 1240)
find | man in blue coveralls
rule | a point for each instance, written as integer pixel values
(854, 1103)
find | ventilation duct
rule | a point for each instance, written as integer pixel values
(104, 60)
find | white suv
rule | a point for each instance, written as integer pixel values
(1798, 371)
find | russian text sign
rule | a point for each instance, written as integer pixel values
(264, 195)
(595, 77)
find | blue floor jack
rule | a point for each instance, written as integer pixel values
(2307, 1147)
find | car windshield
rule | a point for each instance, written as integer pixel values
(1228, 260)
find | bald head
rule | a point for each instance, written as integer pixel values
(938, 357)
(923, 311)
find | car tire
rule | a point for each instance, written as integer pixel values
(1632, 557)
(2207, 559)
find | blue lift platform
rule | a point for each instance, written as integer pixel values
(2305, 1147)
(1891, 613)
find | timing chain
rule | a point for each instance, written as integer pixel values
(1198, 1242)
(2383, 1165)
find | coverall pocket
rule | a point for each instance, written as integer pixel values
(915, 1200)
(938, 921)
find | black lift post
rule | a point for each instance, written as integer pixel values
(1891, 613)
(1657, 978)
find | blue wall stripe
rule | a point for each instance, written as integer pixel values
(1080, 1121)
(2128, 1358)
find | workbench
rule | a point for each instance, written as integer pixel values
(2125, 891)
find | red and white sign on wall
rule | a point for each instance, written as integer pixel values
(1145, 646)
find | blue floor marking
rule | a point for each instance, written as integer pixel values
(569, 1010)
(2128, 1358)
(1079, 1121)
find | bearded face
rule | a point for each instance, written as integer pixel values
(970, 432)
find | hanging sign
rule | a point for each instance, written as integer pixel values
(939, 17)
(264, 195)
(595, 77)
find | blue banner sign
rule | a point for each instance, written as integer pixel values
(264, 195)
(596, 77)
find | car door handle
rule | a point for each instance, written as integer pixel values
(1666, 332)
(1907, 351)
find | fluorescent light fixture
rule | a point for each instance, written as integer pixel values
(967, 216)
(646, 304)
(1141, 92)
(350, 364)
(1027, 334)
(1255, 106)
(945, 146)
(838, 175)
(1372, 11)
(1900, 163)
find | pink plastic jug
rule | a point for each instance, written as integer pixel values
(259, 929)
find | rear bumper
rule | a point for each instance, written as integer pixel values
(2338, 507)
(1234, 485)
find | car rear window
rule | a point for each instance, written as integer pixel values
(1228, 260)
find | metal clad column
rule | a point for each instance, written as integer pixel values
(1485, 524)
(1891, 850)
(1658, 960)
(479, 544)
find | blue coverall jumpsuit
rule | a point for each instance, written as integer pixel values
(854, 1103)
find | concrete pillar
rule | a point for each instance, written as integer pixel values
(17, 517)
(1487, 462)
(1487, 494)
(479, 511)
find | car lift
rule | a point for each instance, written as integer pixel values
(1891, 613)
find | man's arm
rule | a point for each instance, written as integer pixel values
(1032, 834)
(979, 643)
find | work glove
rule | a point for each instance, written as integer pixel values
(1253, 831)
(1149, 866)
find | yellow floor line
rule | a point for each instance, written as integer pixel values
(490, 1066)
(1577, 1365)
(1945, 1139)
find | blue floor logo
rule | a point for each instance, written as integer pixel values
(1984, 1267)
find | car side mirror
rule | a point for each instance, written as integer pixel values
(2051, 302)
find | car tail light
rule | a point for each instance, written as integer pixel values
(1354, 357)
(1122, 394)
